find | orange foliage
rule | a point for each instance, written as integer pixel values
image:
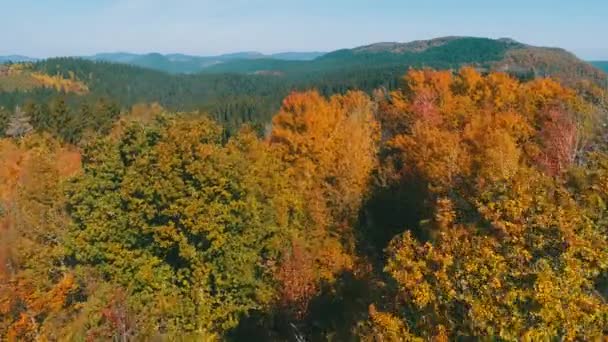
(31, 171)
(499, 228)
(332, 145)
(468, 124)
(16, 159)
(297, 279)
(331, 148)
(558, 137)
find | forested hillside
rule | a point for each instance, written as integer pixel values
(441, 53)
(23, 77)
(231, 99)
(456, 206)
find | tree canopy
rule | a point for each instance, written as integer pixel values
(457, 205)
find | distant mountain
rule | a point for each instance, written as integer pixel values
(440, 53)
(118, 57)
(187, 64)
(240, 55)
(401, 48)
(180, 63)
(297, 56)
(603, 65)
(16, 59)
(172, 63)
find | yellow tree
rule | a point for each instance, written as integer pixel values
(331, 146)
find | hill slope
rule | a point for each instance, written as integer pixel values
(16, 59)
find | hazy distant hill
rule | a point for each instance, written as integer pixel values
(601, 65)
(180, 63)
(187, 64)
(16, 59)
(365, 67)
(297, 56)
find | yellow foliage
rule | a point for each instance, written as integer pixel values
(67, 85)
(387, 328)
(21, 77)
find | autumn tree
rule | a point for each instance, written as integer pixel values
(36, 286)
(330, 146)
(506, 249)
(189, 225)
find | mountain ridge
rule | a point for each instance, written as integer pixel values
(16, 59)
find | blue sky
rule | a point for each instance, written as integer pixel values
(42, 28)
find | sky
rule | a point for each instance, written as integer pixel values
(45, 28)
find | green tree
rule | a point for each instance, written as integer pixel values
(189, 226)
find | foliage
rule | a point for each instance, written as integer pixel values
(457, 205)
(506, 251)
(20, 77)
(37, 288)
(330, 146)
(173, 214)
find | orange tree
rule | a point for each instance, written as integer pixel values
(505, 248)
(330, 147)
(37, 288)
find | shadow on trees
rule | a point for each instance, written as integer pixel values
(335, 312)
(338, 308)
(332, 315)
(390, 211)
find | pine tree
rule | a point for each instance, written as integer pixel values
(19, 124)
